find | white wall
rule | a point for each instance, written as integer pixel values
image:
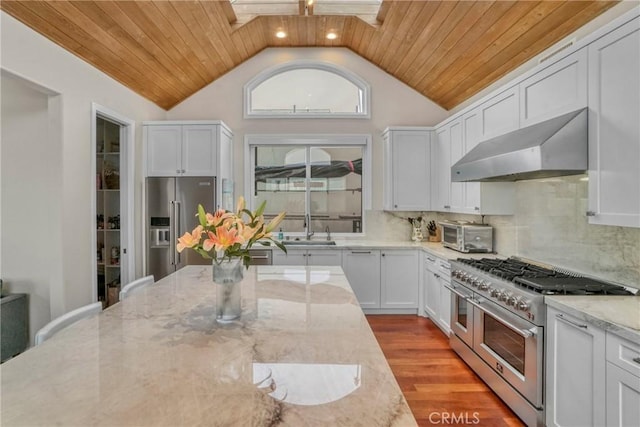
(392, 104)
(28, 188)
(29, 55)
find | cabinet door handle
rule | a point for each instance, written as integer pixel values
(447, 206)
(431, 259)
(477, 208)
(382, 254)
(177, 170)
(637, 360)
(571, 322)
(395, 206)
(591, 213)
(361, 252)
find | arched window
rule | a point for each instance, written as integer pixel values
(307, 89)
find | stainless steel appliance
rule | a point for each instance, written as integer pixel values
(498, 320)
(555, 147)
(467, 237)
(171, 207)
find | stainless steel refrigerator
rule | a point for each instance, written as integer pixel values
(172, 204)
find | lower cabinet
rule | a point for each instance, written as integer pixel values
(386, 280)
(308, 257)
(593, 378)
(437, 298)
(623, 397)
(400, 278)
(362, 268)
(575, 371)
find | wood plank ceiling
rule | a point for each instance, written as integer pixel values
(168, 50)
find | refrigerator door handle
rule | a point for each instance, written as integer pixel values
(172, 233)
(176, 216)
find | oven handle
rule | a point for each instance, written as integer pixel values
(522, 332)
(460, 294)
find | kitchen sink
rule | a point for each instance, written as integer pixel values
(309, 243)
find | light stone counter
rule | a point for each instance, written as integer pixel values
(302, 354)
(435, 248)
(618, 314)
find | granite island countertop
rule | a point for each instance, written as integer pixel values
(302, 354)
(615, 313)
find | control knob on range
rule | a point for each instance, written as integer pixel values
(474, 281)
(523, 305)
(483, 286)
(495, 292)
(504, 296)
(513, 301)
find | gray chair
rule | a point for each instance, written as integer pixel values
(136, 284)
(56, 325)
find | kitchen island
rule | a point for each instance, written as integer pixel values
(302, 354)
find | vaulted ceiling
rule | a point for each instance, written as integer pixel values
(168, 50)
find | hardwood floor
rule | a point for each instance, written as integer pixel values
(439, 387)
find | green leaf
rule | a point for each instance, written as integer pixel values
(202, 215)
(282, 247)
(260, 209)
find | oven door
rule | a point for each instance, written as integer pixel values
(461, 313)
(511, 346)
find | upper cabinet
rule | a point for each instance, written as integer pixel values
(500, 114)
(407, 169)
(441, 168)
(187, 149)
(454, 140)
(614, 132)
(560, 88)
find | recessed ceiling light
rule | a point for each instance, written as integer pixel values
(281, 34)
(332, 36)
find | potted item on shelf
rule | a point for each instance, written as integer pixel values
(111, 177)
(115, 255)
(100, 222)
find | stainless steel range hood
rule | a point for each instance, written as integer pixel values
(555, 147)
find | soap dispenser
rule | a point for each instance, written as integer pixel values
(280, 235)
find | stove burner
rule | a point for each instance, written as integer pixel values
(543, 280)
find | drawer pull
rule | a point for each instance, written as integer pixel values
(637, 360)
(360, 252)
(579, 325)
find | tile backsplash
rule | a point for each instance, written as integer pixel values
(549, 226)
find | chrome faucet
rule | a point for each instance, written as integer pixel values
(307, 226)
(326, 230)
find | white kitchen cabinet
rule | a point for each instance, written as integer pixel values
(558, 89)
(441, 167)
(575, 379)
(623, 397)
(623, 381)
(437, 304)
(456, 151)
(384, 281)
(362, 268)
(307, 257)
(483, 198)
(614, 133)
(175, 149)
(407, 169)
(400, 277)
(500, 114)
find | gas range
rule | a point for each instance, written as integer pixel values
(520, 286)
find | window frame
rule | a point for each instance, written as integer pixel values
(311, 140)
(364, 87)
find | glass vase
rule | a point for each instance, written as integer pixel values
(227, 277)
